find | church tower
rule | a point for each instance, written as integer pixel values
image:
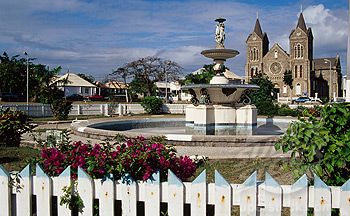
(301, 56)
(257, 47)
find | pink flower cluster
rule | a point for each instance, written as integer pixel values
(136, 156)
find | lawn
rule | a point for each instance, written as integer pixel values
(15, 159)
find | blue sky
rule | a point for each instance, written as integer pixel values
(94, 37)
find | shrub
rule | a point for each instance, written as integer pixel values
(136, 156)
(12, 125)
(321, 145)
(152, 104)
(285, 110)
(60, 109)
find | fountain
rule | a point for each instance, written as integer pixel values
(220, 114)
(221, 107)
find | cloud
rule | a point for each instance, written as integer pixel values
(96, 36)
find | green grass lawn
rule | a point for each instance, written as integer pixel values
(15, 159)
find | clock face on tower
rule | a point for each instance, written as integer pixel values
(276, 68)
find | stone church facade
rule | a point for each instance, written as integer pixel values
(311, 76)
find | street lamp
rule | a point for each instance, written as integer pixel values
(26, 54)
(330, 77)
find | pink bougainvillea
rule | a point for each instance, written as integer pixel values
(137, 157)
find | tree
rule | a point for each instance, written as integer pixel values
(13, 74)
(321, 145)
(88, 78)
(263, 97)
(146, 71)
(288, 80)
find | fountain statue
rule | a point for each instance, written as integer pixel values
(221, 107)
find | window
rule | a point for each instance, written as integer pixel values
(254, 54)
(301, 71)
(284, 89)
(86, 90)
(298, 51)
(296, 71)
(298, 89)
(251, 72)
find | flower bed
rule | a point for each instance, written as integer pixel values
(138, 157)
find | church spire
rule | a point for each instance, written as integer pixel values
(301, 22)
(257, 28)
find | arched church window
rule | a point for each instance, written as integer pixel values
(254, 54)
(257, 55)
(301, 71)
(296, 71)
(298, 89)
(251, 72)
(299, 51)
(302, 52)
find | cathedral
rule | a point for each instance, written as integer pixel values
(311, 77)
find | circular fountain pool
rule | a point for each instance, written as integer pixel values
(266, 132)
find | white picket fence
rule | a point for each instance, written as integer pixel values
(252, 197)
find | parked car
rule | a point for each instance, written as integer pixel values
(75, 97)
(9, 97)
(301, 100)
(96, 98)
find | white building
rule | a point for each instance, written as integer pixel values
(71, 83)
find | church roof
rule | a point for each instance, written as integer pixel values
(257, 28)
(321, 64)
(301, 23)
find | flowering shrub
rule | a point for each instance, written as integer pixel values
(12, 125)
(135, 156)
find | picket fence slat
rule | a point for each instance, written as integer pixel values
(176, 197)
(299, 197)
(63, 180)
(272, 197)
(322, 198)
(252, 197)
(129, 196)
(223, 195)
(199, 195)
(86, 191)
(248, 196)
(25, 195)
(152, 195)
(43, 185)
(345, 199)
(106, 196)
(5, 191)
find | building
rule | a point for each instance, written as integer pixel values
(71, 84)
(311, 77)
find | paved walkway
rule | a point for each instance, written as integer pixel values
(211, 152)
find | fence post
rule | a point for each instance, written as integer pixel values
(107, 197)
(345, 199)
(273, 197)
(86, 192)
(322, 198)
(43, 187)
(248, 192)
(129, 196)
(199, 195)
(152, 195)
(223, 195)
(176, 197)
(24, 197)
(5, 191)
(78, 110)
(299, 197)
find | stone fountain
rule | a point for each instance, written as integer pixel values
(221, 107)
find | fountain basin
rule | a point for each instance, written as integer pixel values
(267, 131)
(220, 93)
(220, 54)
